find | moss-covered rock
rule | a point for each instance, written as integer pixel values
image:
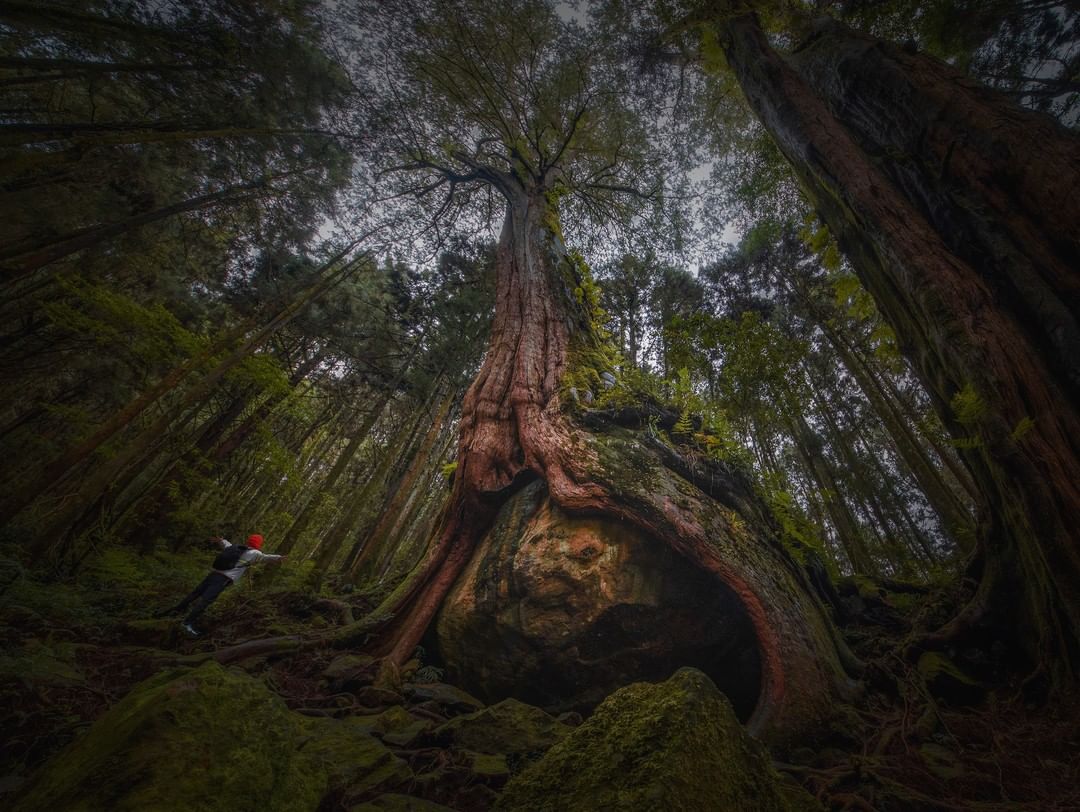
(673, 745)
(211, 739)
(396, 726)
(508, 728)
(347, 667)
(445, 696)
(392, 802)
(568, 608)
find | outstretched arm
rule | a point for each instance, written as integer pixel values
(261, 556)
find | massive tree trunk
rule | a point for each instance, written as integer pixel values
(514, 430)
(958, 210)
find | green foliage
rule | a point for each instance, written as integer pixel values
(1025, 425)
(720, 440)
(147, 334)
(797, 532)
(821, 243)
(968, 405)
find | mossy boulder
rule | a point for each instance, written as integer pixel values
(672, 745)
(396, 726)
(568, 608)
(211, 739)
(507, 728)
(392, 802)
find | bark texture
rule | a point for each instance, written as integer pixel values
(958, 210)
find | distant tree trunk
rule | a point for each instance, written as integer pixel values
(848, 531)
(300, 525)
(958, 210)
(394, 510)
(952, 512)
(20, 260)
(154, 508)
(331, 543)
(415, 532)
(95, 483)
(225, 446)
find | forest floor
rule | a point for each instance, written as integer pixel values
(926, 733)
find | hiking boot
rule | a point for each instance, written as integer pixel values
(187, 627)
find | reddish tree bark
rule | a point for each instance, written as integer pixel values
(513, 429)
(966, 237)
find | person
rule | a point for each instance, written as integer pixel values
(229, 566)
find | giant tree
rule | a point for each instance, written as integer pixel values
(515, 111)
(965, 236)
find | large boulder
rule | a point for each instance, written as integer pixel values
(560, 610)
(674, 745)
(212, 739)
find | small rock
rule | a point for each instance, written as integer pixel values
(391, 802)
(488, 767)
(372, 696)
(406, 737)
(396, 726)
(570, 718)
(447, 696)
(509, 727)
(346, 666)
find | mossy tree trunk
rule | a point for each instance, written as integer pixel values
(514, 429)
(958, 210)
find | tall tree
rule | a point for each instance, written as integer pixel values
(517, 104)
(968, 245)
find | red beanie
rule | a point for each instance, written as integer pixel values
(255, 540)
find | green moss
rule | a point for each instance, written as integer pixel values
(933, 665)
(507, 728)
(486, 765)
(675, 745)
(624, 462)
(209, 739)
(41, 663)
(392, 802)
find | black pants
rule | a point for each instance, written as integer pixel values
(203, 595)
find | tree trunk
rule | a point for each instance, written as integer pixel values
(393, 513)
(966, 237)
(514, 430)
(949, 508)
(96, 483)
(332, 541)
(19, 260)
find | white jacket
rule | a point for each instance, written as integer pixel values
(248, 558)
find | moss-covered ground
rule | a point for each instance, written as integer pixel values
(949, 728)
